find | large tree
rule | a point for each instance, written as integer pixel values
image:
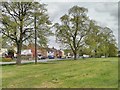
(101, 41)
(108, 45)
(18, 23)
(84, 36)
(93, 39)
(73, 29)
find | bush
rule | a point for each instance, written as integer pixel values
(6, 59)
(11, 53)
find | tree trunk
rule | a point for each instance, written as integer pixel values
(75, 55)
(19, 47)
(95, 53)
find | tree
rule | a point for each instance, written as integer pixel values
(73, 29)
(101, 41)
(66, 51)
(84, 36)
(11, 53)
(93, 38)
(113, 50)
(18, 23)
(108, 42)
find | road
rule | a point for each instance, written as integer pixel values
(32, 61)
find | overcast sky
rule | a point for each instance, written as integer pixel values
(105, 13)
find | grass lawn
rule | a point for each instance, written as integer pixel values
(0, 59)
(88, 73)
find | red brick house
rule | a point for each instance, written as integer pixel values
(45, 51)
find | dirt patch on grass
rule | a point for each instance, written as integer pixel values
(47, 85)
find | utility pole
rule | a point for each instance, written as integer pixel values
(35, 39)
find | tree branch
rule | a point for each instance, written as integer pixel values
(27, 37)
(10, 12)
(8, 35)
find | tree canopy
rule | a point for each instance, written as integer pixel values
(78, 32)
(18, 23)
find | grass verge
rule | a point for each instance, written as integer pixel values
(87, 73)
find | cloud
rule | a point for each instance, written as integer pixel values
(79, 0)
(53, 43)
(109, 7)
(110, 14)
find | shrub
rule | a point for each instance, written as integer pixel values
(11, 53)
(6, 59)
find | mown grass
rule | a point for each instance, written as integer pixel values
(0, 59)
(87, 73)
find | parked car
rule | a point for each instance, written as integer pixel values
(68, 56)
(63, 57)
(102, 56)
(51, 57)
(86, 56)
(41, 57)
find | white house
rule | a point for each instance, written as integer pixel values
(26, 52)
(2, 51)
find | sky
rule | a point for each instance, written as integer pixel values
(104, 13)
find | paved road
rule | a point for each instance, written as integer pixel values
(23, 62)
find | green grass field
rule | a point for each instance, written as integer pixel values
(88, 73)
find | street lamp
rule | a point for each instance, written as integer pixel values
(35, 38)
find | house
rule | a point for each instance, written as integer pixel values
(46, 51)
(51, 52)
(42, 51)
(3, 51)
(60, 54)
(26, 52)
(55, 52)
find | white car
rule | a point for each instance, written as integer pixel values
(41, 57)
(86, 56)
